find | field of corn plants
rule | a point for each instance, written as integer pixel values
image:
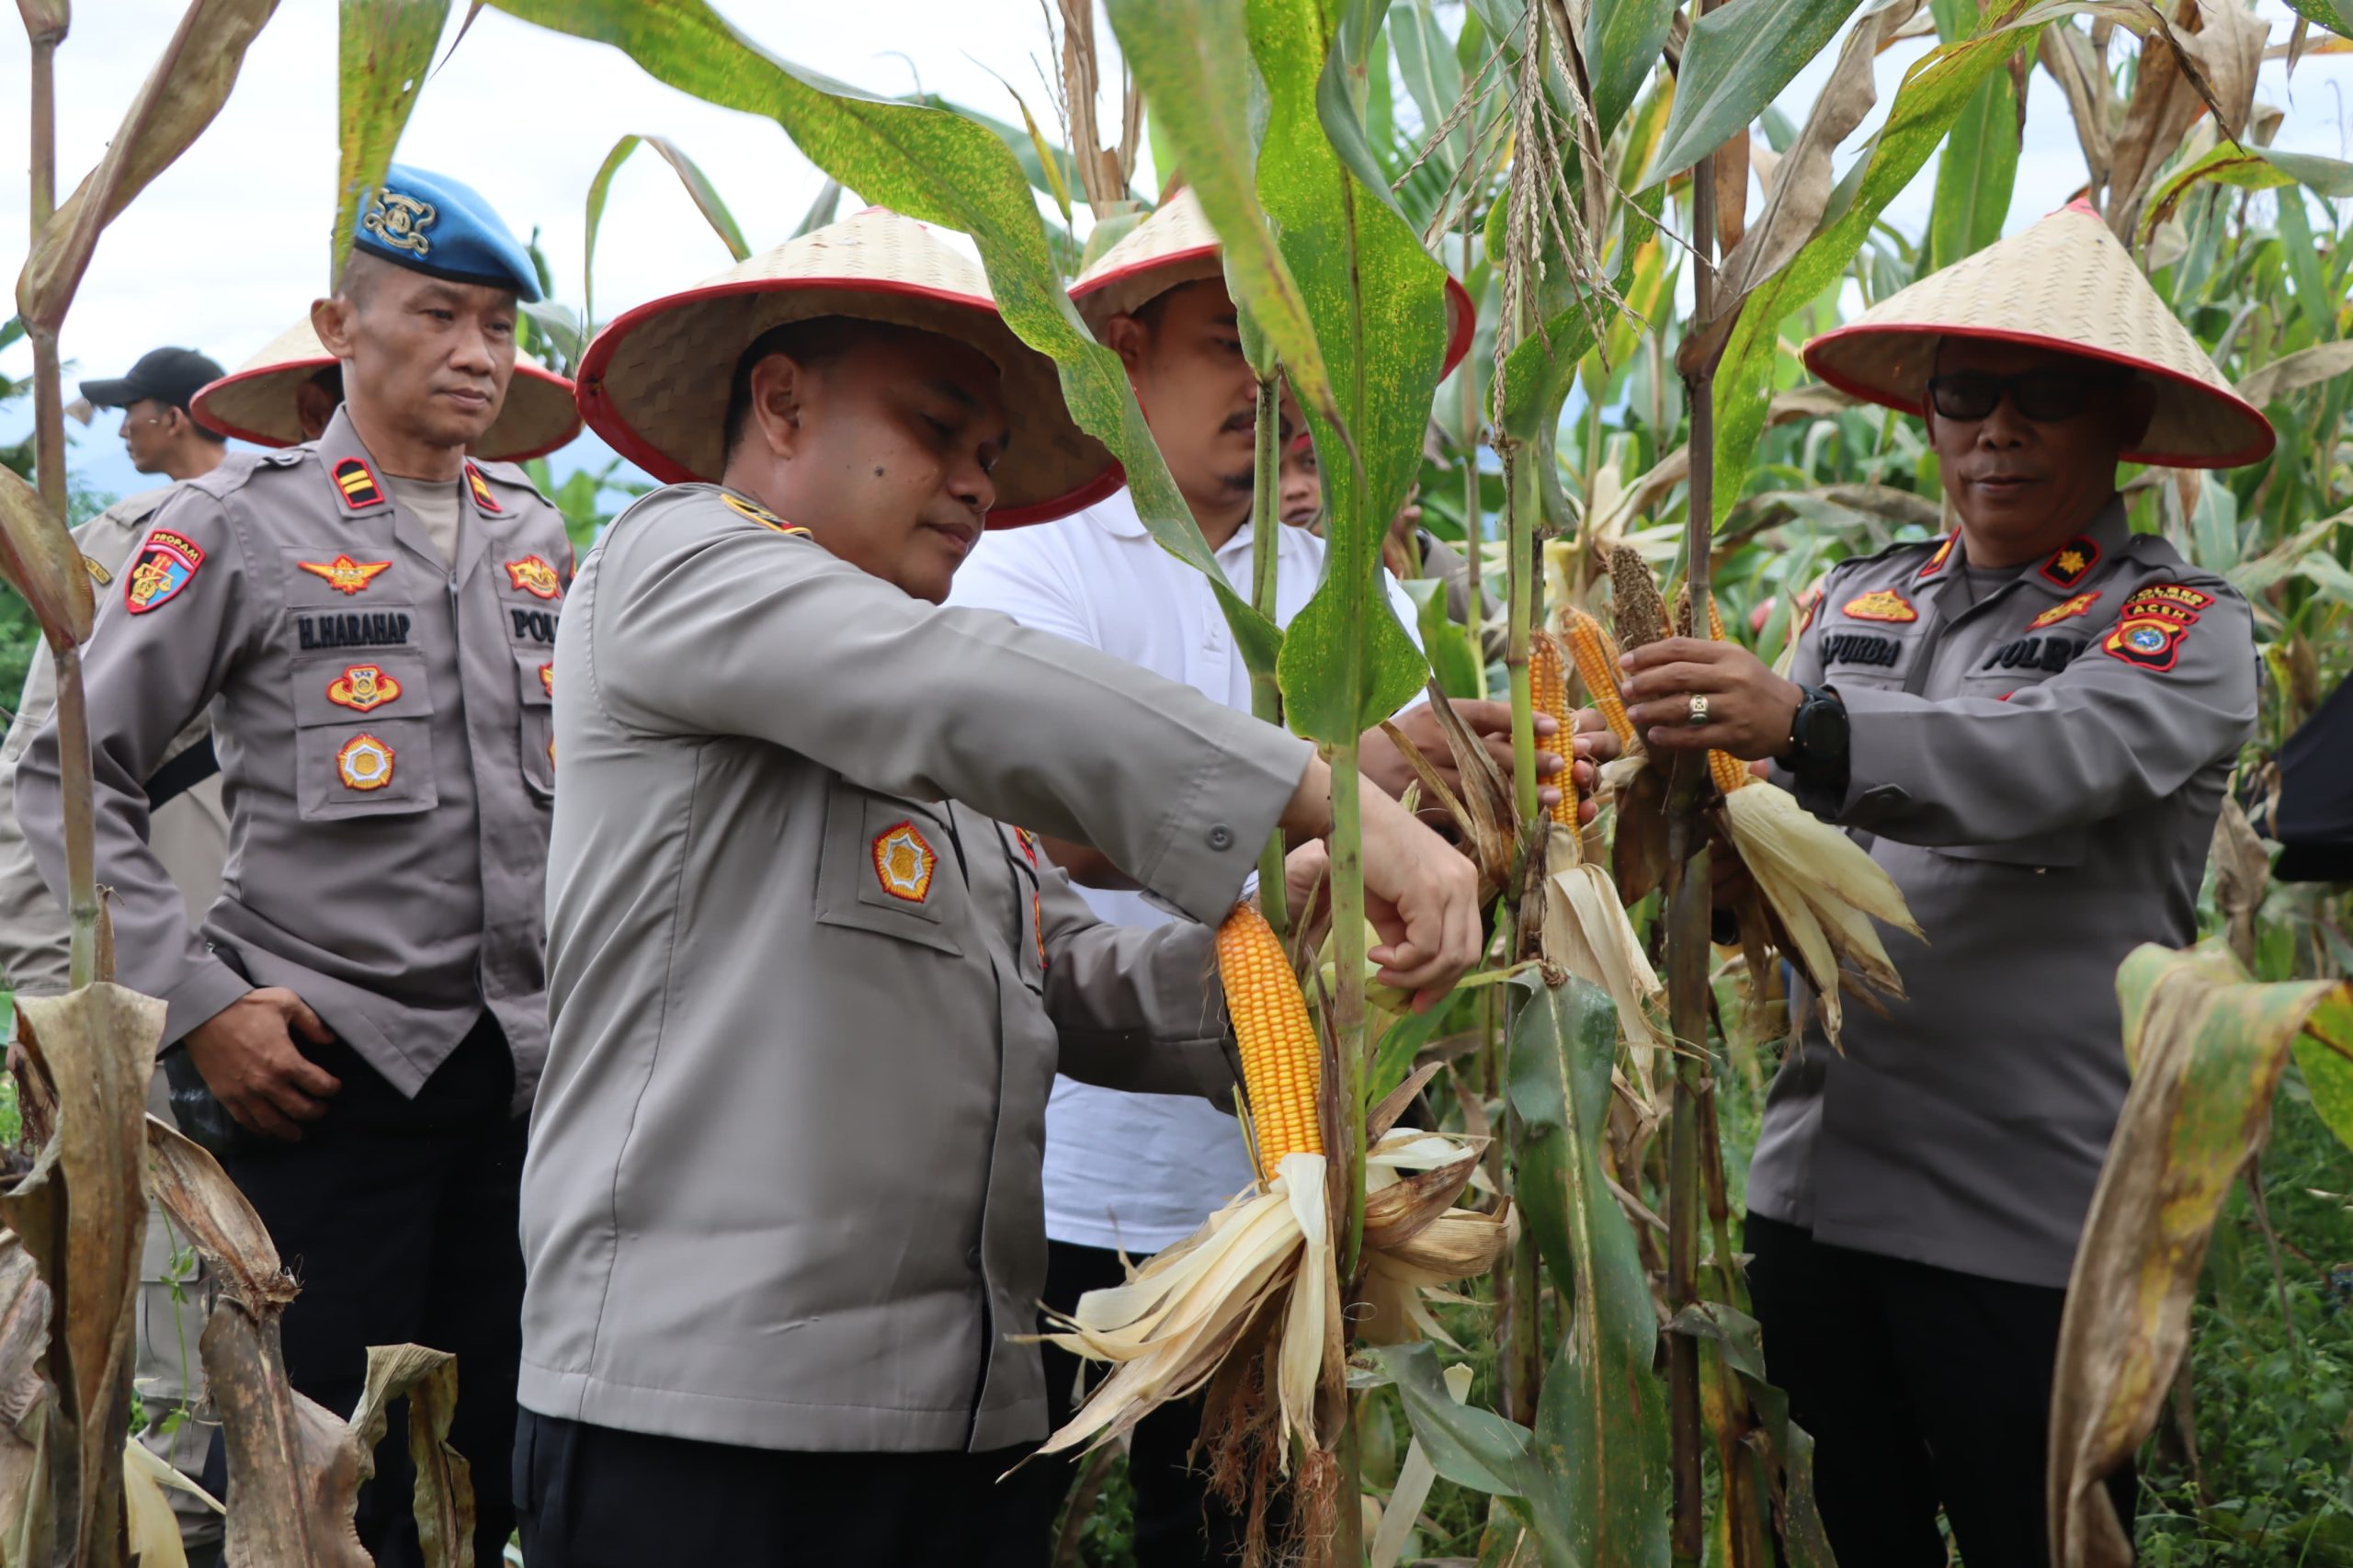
(1649, 234)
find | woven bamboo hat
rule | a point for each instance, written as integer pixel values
(1175, 245)
(2065, 284)
(255, 400)
(654, 383)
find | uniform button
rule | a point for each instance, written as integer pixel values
(1220, 838)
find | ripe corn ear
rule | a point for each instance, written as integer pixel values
(1548, 678)
(1281, 1064)
(1595, 655)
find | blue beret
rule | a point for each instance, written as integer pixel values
(431, 223)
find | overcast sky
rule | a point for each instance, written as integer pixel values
(229, 245)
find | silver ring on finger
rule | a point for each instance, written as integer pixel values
(1698, 710)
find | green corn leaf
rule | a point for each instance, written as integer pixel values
(1976, 173)
(1621, 43)
(2246, 168)
(1378, 304)
(383, 47)
(706, 199)
(1192, 58)
(937, 166)
(1433, 78)
(1737, 61)
(1805, 1542)
(2336, 16)
(1601, 1424)
(1931, 98)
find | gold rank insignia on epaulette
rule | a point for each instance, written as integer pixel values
(358, 482)
(2069, 562)
(483, 497)
(1880, 604)
(98, 574)
(759, 514)
(1936, 562)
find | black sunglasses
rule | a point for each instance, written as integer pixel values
(2044, 396)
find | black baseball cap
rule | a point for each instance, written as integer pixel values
(168, 375)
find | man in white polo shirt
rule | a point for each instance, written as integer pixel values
(1132, 1173)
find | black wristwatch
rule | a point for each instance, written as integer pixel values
(1817, 735)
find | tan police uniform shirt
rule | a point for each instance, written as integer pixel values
(809, 994)
(2040, 771)
(381, 721)
(189, 825)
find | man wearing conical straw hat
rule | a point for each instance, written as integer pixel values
(781, 1211)
(2033, 718)
(1128, 1174)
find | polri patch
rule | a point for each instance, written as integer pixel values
(345, 575)
(1880, 604)
(2149, 642)
(167, 564)
(363, 688)
(2069, 562)
(2079, 603)
(534, 576)
(483, 497)
(358, 482)
(364, 763)
(903, 861)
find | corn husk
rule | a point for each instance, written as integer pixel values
(1586, 933)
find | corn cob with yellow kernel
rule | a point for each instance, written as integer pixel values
(1281, 1063)
(1595, 654)
(1728, 771)
(1548, 680)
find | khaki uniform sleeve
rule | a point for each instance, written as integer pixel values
(2126, 723)
(145, 677)
(1137, 1008)
(702, 626)
(33, 947)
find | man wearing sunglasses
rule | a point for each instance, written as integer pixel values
(2030, 723)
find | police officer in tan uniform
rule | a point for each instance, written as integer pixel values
(2031, 724)
(369, 619)
(809, 989)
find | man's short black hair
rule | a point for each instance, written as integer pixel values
(817, 341)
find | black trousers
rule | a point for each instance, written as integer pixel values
(598, 1497)
(1921, 1387)
(1179, 1523)
(399, 1218)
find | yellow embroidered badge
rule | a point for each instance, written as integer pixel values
(364, 763)
(547, 680)
(98, 574)
(2069, 562)
(167, 564)
(2079, 605)
(1936, 562)
(358, 482)
(2180, 597)
(362, 688)
(345, 575)
(903, 862)
(483, 497)
(1880, 604)
(534, 576)
(401, 221)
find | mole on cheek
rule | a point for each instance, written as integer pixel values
(877, 470)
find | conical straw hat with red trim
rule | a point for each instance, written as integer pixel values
(1175, 245)
(255, 400)
(2065, 284)
(654, 383)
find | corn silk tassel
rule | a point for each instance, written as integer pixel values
(1260, 1276)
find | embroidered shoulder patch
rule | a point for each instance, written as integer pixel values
(759, 514)
(1029, 842)
(97, 568)
(1880, 604)
(534, 576)
(344, 575)
(167, 564)
(1936, 562)
(2151, 643)
(2069, 562)
(364, 763)
(2080, 603)
(362, 688)
(903, 862)
(483, 497)
(358, 482)
(2179, 597)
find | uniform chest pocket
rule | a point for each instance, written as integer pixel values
(535, 693)
(889, 866)
(363, 735)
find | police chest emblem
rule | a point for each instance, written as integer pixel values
(1880, 604)
(167, 563)
(364, 763)
(2080, 603)
(344, 575)
(903, 862)
(2152, 643)
(399, 221)
(2069, 562)
(483, 497)
(362, 688)
(534, 576)
(98, 574)
(358, 482)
